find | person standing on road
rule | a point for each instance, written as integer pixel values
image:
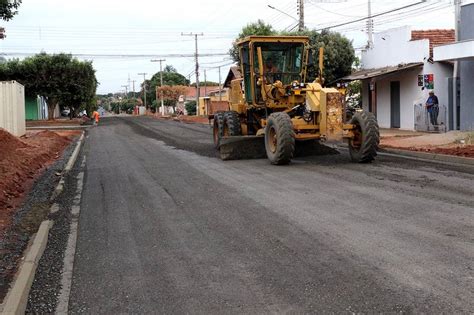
(432, 105)
(96, 116)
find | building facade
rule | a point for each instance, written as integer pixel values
(462, 94)
(397, 73)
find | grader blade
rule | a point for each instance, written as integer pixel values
(242, 147)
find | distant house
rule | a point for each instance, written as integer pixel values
(191, 92)
(217, 100)
(397, 73)
(36, 108)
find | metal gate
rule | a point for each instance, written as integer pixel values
(422, 119)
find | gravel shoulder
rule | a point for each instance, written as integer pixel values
(47, 284)
(27, 219)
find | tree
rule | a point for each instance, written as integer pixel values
(171, 94)
(9, 8)
(60, 78)
(171, 77)
(339, 55)
(256, 28)
(205, 83)
(190, 107)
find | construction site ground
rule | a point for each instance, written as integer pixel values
(451, 143)
(28, 168)
(167, 227)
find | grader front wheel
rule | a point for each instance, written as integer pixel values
(279, 138)
(232, 124)
(363, 147)
(218, 128)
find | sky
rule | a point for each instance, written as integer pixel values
(122, 37)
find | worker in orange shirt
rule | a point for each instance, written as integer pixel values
(96, 116)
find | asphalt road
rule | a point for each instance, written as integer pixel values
(166, 227)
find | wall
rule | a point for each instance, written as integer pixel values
(12, 108)
(441, 72)
(394, 47)
(410, 93)
(466, 68)
(31, 108)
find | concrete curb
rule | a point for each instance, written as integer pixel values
(74, 155)
(72, 160)
(17, 298)
(429, 156)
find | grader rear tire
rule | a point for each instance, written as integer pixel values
(232, 124)
(363, 148)
(279, 138)
(218, 128)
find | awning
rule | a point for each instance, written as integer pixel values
(371, 73)
(462, 50)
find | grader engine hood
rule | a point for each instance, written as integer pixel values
(329, 103)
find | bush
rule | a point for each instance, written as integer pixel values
(191, 107)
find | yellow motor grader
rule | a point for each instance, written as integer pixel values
(273, 104)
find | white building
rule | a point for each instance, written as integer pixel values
(462, 52)
(397, 73)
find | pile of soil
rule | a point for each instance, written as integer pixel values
(56, 122)
(21, 161)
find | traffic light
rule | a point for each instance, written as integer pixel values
(2, 33)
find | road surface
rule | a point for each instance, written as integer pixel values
(166, 227)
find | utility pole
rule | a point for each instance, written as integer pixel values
(133, 87)
(300, 4)
(205, 83)
(197, 62)
(126, 90)
(370, 26)
(220, 88)
(144, 87)
(161, 84)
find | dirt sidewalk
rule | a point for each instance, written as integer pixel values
(452, 143)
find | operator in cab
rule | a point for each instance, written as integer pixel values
(271, 71)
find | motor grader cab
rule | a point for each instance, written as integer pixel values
(273, 104)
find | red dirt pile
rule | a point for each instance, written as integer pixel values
(464, 151)
(21, 161)
(194, 119)
(426, 145)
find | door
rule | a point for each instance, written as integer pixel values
(395, 104)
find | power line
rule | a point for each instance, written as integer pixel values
(332, 12)
(220, 66)
(124, 55)
(372, 16)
